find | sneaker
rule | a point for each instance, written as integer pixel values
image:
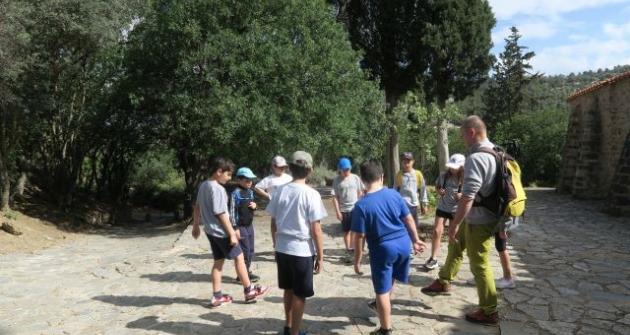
(286, 331)
(480, 317)
(381, 331)
(253, 278)
(372, 305)
(436, 288)
(503, 283)
(255, 292)
(431, 264)
(214, 302)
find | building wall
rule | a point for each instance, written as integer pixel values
(596, 139)
(620, 190)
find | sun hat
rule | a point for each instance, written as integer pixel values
(456, 161)
(279, 161)
(344, 164)
(245, 172)
(303, 159)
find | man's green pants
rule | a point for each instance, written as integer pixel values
(476, 240)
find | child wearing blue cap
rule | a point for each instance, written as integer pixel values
(347, 189)
(242, 206)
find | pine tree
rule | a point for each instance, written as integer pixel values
(505, 95)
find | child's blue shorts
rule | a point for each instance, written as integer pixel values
(390, 260)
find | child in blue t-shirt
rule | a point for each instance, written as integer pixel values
(383, 219)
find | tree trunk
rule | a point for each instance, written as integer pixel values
(21, 185)
(392, 164)
(442, 144)
(5, 187)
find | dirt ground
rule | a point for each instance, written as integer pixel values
(36, 234)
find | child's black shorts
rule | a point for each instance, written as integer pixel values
(443, 214)
(346, 220)
(221, 248)
(295, 273)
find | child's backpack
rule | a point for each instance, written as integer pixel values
(508, 199)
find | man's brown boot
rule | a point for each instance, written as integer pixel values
(480, 317)
(436, 288)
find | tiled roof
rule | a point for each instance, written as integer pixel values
(596, 86)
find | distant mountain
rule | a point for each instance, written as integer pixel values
(546, 92)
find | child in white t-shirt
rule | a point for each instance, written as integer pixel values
(296, 210)
(267, 185)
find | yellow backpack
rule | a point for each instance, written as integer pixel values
(508, 199)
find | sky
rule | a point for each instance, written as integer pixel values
(567, 35)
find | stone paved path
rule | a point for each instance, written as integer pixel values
(573, 273)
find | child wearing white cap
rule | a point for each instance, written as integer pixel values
(278, 177)
(449, 187)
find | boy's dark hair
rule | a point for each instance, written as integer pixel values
(220, 163)
(299, 171)
(371, 171)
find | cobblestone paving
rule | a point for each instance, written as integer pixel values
(572, 263)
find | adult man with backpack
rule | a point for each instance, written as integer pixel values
(475, 235)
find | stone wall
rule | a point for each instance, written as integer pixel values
(599, 126)
(620, 190)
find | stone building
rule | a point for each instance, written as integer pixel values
(596, 157)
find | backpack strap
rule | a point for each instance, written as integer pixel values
(419, 178)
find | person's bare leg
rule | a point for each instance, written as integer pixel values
(506, 264)
(297, 311)
(437, 236)
(384, 309)
(241, 270)
(288, 301)
(217, 269)
(346, 240)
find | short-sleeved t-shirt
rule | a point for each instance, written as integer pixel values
(380, 216)
(448, 202)
(409, 190)
(270, 183)
(347, 189)
(212, 200)
(479, 178)
(295, 207)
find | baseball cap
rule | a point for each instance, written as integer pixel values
(279, 161)
(344, 164)
(406, 155)
(456, 161)
(302, 158)
(245, 172)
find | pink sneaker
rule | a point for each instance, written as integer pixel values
(225, 299)
(255, 292)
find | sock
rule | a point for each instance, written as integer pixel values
(249, 288)
(217, 294)
(287, 330)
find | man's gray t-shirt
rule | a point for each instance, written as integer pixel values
(212, 200)
(347, 189)
(295, 207)
(448, 203)
(479, 178)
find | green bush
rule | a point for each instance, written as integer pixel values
(540, 136)
(156, 183)
(322, 176)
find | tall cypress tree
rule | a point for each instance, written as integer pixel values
(512, 73)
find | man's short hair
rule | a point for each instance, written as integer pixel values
(371, 171)
(299, 171)
(474, 122)
(220, 163)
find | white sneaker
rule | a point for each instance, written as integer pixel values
(503, 283)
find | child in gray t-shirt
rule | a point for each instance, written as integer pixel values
(449, 188)
(347, 189)
(211, 209)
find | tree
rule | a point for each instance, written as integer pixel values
(439, 46)
(248, 80)
(505, 95)
(65, 83)
(390, 35)
(458, 42)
